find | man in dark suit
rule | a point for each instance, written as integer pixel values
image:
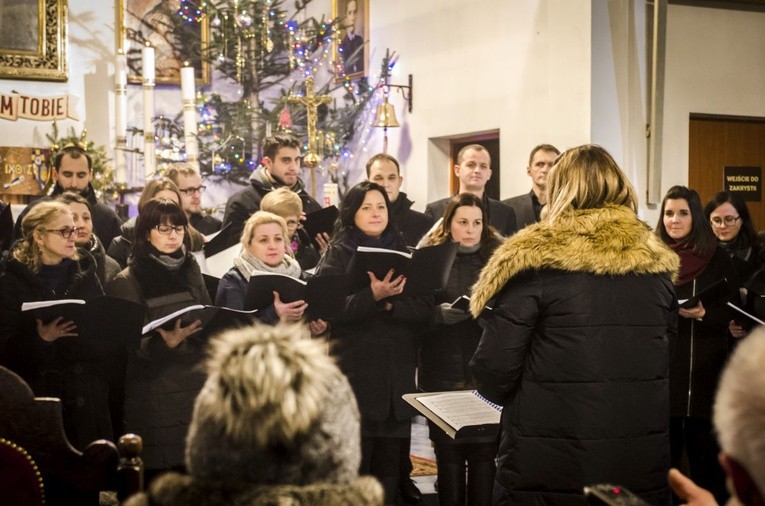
(528, 206)
(473, 169)
(384, 170)
(280, 167)
(351, 46)
(73, 171)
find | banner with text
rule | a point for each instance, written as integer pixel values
(18, 106)
(744, 181)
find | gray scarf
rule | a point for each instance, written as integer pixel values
(247, 264)
(168, 262)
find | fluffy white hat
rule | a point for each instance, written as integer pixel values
(275, 409)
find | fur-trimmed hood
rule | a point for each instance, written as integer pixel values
(174, 489)
(606, 241)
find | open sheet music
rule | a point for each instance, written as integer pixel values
(461, 414)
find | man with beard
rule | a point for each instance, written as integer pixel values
(280, 168)
(73, 171)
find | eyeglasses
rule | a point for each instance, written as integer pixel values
(191, 191)
(167, 229)
(728, 220)
(65, 232)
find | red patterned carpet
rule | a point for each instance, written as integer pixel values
(422, 466)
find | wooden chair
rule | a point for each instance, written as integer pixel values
(35, 426)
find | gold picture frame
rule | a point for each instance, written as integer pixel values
(137, 22)
(352, 54)
(33, 40)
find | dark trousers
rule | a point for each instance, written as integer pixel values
(381, 457)
(455, 486)
(696, 438)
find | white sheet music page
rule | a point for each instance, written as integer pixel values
(461, 409)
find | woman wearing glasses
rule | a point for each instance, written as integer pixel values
(731, 223)
(700, 347)
(162, 377)
(51, 357)
(162, 188)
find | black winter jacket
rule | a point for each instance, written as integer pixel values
(412, 225)
(700, 349)
(162, 383)
(446, 350)
(576, 350)
(377, 349)
(70, 368)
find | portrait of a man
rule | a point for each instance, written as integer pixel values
(353, 22)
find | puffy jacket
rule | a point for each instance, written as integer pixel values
(576, 350)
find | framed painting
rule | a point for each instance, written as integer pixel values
(352, 36)
(33, 40)
(175, 41)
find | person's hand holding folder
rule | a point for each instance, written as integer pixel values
(696, 312)
(179, 333)
(386, 287)
(289, 311)
(55, 329)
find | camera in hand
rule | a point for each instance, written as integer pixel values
(606, 494)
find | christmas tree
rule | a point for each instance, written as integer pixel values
(267, 53)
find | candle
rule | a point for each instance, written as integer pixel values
(147, 55)
(120, 114)
(189, 114)
(149, 156)
(268, 129)
(187, 82)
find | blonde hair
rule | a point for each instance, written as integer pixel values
(587, 177)
(180, 169)
(39, 217)
(261, 218)
(283, 202)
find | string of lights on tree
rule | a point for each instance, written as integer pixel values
(268, 52)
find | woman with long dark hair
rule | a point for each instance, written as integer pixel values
(374, 337)
(732, 225)
(701, 345)
(447, 348)
(162, 377)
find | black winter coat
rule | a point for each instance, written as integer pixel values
(576, 350)
(412, 225)
(700, 349)
(70, 368)
(446, 350)
(376, 349)
(162, 382)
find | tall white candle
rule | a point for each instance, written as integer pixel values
(149, 155)
(120, 116)
(147, 61)
(188, 93)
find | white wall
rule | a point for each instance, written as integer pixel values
(518, 66)
(715, 65)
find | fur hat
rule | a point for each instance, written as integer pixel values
(275, 410)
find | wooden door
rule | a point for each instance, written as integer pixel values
(716, 142)
(490, 141)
